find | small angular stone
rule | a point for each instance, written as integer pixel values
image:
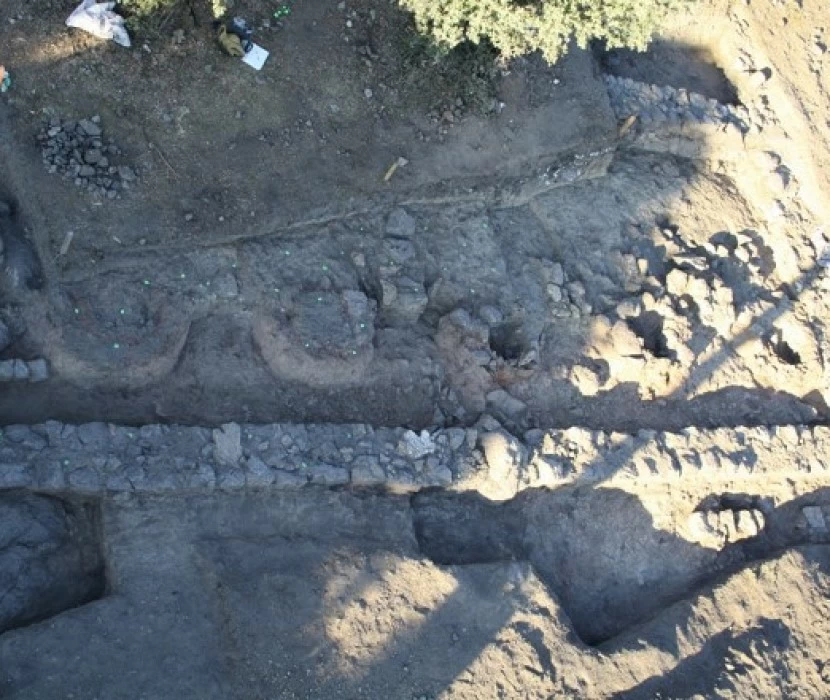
(506, 407)
(6, 370)
(367, 471)
(230, 478)
(259, 474)
(328, 475)
(400, 223)
(815, 518)
(126, 173)
(88, 127)
(85, 480)
(14, 476)
(415, 446)
(289, 480)
(21, 370)
(38, 371)
(228, 444)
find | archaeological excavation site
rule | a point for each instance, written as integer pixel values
(378, 373)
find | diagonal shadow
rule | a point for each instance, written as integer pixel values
(703, 674)
(226, 597)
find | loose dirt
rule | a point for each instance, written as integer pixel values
(622, 244)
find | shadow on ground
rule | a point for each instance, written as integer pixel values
(338, 595)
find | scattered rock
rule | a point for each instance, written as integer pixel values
(416, 446)
(227, 442)
(259, 474)
(400, 224)
(585, 380)
(89, 127)
(77, 151)
(473, 333)
(629, 308)
(507, 408)
(555, 293)
(398, 250)
(230, 478)
(204, 477)
(21, 370)
(93, 156)
(85, 480)
(329, 324)
(486, 423)
(658, 104)
(483, 358)
(38, 371)
(95, 435)
(367, 471)
(225, 286)
(503, 455)
(388, 294)
(126, 173)
(6, 370)
(289, 480)
(14, 476)
(456, 437)
(328, 475)
(491, 315)
(403, 304)
(716, 529)
(815, 518)
(438, 476)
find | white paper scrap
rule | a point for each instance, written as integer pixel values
(256, 57)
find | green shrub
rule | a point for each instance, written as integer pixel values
(142, 11)
(517, 27)
(144, 8)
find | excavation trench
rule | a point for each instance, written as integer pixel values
(673, 63)
(51, 556)
(412, 407)
(597, 550)
(579, 542)
(596, 299)
(335, 428)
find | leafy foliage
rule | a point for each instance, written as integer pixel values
(140, 11)
(517, 27)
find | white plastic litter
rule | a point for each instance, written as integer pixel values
(98, 19)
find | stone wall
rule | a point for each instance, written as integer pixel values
(99, 458)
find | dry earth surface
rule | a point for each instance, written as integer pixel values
(540, 412)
